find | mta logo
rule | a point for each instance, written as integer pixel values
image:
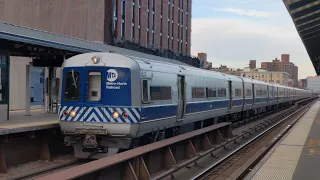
(112, 75)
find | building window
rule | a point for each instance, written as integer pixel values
(132, 12)
(139, 33)
(139, 14)
(115, 12)
(168, 10)
(182, 18)
(123, 18)
(187, 6)
(152, 38)
(153, 5)
(153, 21)
(181, 33)
(186, 35)
(168, 28)
(132, 32)
(148, 20)
(147, 39)
(123, 29)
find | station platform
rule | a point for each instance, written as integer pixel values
(297, 155)
(19, 122)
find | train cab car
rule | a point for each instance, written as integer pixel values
(100, 97)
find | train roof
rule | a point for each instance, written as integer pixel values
(83, 59)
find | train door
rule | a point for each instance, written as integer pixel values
(93, 112)
(181, 97)
(268, 93)
(253, 96)
(230, 95)
(277, 94)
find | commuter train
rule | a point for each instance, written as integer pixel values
(112, 102)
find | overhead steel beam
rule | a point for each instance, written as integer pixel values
(299, 4)
(306, 11)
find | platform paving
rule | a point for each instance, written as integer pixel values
(308, 166)
(19, 122)
(297, 156)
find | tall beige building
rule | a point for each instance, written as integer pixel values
(267, 76)
(283, 65)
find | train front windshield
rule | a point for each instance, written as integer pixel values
(72, 86)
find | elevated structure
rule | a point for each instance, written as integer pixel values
(306, 17)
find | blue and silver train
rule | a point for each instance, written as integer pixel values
(112, 102)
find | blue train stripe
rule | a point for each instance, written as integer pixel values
(133, 114)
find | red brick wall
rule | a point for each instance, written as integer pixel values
(81, 19)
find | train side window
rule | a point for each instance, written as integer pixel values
(72, 86)
(211, 92)
(94, 86)
(238, 93)
(197, 92)
(145, 91)
(222, 92)
(160, 93)
(248, 92)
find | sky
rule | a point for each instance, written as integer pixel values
(232, 32)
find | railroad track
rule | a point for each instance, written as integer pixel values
(211, 152)
(235, 163)
(44, 171)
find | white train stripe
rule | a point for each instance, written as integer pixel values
(131, 116)
(102, 119)
(93, 116)
(75, 110)
(69, 109)
(109, 116)
(135, 112)
(78, 114)
(87, 112)
(120, 115)
(61, 110)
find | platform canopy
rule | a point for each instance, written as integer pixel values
(306, 17)
(27, 42)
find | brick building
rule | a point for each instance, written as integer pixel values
(283, 65)
(252, 64)
(164, 23)
(282, 78)
(159, 24)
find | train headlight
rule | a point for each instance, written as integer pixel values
(72, 113)
(95, 60)
(115, 115)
